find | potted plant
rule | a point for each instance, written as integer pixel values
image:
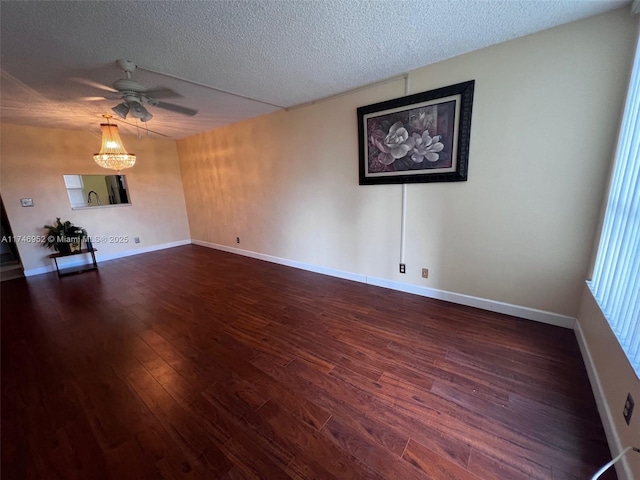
(64, 237)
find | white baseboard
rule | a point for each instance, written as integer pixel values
(482, 303)
(477, 302)
(138, 251)
(283, 261)
(103, 258)
(623, 469)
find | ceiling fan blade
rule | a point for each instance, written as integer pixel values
(93, 99)
(91, 83)
(162, 92)
(99, 99)
(176, 108)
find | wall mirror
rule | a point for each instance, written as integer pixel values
(96, 190)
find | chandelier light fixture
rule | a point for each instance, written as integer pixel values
(113, 154)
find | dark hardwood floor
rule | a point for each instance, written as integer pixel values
(194, 363)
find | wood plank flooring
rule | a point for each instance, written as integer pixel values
(194, 363)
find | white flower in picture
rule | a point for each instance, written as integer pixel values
(426, 147)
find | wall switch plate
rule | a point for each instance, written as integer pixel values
(403, 268)
(425, 273)
(627, 411)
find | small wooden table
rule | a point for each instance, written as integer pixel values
(77, 268)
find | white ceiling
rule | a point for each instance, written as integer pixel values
(284, 52)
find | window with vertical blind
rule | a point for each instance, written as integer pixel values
(616, 276)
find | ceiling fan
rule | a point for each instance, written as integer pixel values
(135, 96)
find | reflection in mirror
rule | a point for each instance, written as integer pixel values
(96, 190)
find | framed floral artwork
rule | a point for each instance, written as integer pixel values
(418, 138)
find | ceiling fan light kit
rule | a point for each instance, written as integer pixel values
(138, 111)
(121, 110)
(112, 153)
(134, 108)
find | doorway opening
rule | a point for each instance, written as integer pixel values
(10, 264)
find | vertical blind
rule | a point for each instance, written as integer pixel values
(616, 277)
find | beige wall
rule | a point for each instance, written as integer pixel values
(520, 230)
(33, 163)
(616, 378)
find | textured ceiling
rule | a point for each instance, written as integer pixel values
(284, 53)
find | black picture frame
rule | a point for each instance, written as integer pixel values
(418, 138)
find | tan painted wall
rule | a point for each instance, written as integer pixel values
(34, 161)
(520, 231)
(616, 377)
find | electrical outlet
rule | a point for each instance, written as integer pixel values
(425, 273)
(237, 239)
(136, 239)
(403, 268)
(627, 411)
